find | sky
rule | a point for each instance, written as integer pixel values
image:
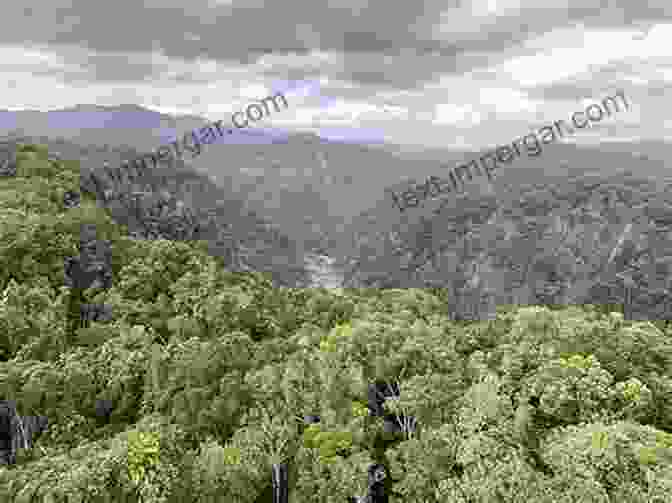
(449, 74)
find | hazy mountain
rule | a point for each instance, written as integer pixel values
(556, 163)
(515, 240)
(313, 188)
(305, 184)
(241, 237)
(127, 125)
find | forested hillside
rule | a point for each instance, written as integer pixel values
(167, 377)
(592, 238)
(144, 200)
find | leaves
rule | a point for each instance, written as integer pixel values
(143, 453)
(600, 441)
(359, 409)
(212, 374)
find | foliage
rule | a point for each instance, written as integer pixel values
(143, 453)
(211, 373)
(601, 239)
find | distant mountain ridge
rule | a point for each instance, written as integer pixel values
(321, 192)
(232, 232)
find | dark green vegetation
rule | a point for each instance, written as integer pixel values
(230, 231)
(591, 238)
(204, 381)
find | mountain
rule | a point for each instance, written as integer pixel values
(557, 163)
(241, 237)
(305, 184)
(127, 125)
(157, 355)
(321, 192)
(553, 231)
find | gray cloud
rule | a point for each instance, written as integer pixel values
(243, 32)
(428, 60)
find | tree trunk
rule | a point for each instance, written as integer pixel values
(377, 475)
(280, 483)
(628, 303)
(75, 321)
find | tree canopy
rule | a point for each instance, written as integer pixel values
(205, 378)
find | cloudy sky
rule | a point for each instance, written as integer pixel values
(438, 73)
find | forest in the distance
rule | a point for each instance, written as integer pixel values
(219, 385)
(591, 237)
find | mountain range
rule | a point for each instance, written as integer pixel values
(317, 192)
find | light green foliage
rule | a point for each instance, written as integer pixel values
(328, 310)
(310, 436)
(615, 455)
(359, 409)
(329, 343)
(215, 461)
(215, 473)
(332, 481)
(28, 313)
(484, 406)
(425, 465)
(329, 443)
(143, 453)
(634, 398)
(574, 389)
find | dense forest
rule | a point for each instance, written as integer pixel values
(245, 240)
(168, 375)
(591, 238)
